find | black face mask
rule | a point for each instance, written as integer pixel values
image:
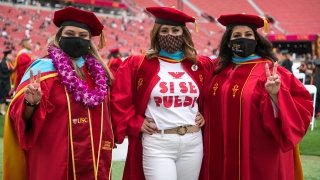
(243, 47)
(74, 46)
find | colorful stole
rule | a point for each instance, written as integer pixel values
(176, 56)
(44, 65)
(240, 60)
(14, 163)
(9, 65)
(297, 164)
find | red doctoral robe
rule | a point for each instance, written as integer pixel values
(63, 139)
(242, 137)
(22, 62)
(114, 64)
(130, 95)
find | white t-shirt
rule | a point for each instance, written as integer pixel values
(173, 100)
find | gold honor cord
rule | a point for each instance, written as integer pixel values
(111, 131)
(92, 146)
(71, 141)
(99, 150)
(68, 152)
(95, 165)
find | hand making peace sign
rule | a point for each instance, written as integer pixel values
(33, 90)
(273, 80)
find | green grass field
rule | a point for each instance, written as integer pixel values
(117, 169)
(310, 154)
(309, 147)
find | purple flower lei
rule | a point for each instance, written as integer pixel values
(75, 86)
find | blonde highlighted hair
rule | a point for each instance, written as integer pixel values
(188, 45)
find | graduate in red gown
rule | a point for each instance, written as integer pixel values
(22, 62)
(256, 111)
(114, 60)
(155, 100)
(58, 126)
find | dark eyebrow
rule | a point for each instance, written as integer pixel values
(82, 32)
(163, 28)
(69, 30)
(236, 33)
(85, 32)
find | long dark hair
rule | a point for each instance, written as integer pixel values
(263, 49)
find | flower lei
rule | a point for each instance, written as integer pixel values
(75, 86)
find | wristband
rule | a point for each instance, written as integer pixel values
(27, 103)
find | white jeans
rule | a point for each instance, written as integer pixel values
(171, 156)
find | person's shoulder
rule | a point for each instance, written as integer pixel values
(281, 71)
(135, 57)
(133, 61)
(24, 53)
(203, 59)
(42, 62)
(43, 65)
(206, 61)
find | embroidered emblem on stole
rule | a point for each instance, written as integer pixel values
(201, 78)
(234, 90)
(140, 83)
(80, 120)
(106, 145)
(215, 87)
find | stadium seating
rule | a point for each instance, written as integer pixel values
(299, 18)
(295, 17)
